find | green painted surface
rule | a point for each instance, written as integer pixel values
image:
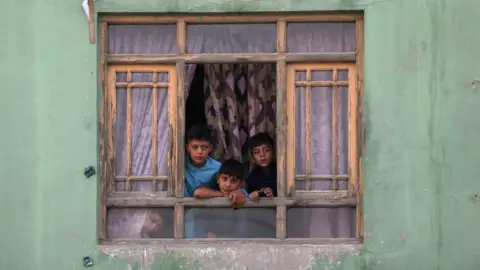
(421, 114)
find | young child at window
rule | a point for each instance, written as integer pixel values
(200, 175)
(201, 170)
(226, 223)
(262, 180)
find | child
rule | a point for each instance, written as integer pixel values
(262, 181)
(225, 223)
(201, 170)
(200, 175)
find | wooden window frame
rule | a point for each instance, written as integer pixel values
(175, 63)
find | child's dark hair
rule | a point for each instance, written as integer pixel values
(200, 133)
(260, 139)
(232, 168)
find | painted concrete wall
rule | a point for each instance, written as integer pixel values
(421, 157)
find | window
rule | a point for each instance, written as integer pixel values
(297, 77)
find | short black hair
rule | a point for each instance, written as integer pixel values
(200, 133)
(232, 168)
(260, 139)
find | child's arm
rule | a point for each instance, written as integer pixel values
(206, 192)
(210, 190)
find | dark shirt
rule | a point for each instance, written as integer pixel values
(262, 178)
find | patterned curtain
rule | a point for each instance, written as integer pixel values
(239, 102)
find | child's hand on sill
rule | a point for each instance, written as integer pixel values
(238, 198)
(254, 196)
(268, 192)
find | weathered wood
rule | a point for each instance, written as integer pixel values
(130, 69)
(308, 131)
(180, 135)
(230, 58)
(105, 165)
(127, 243)
(352, 128)
(290, 118)
(345, 57)
(321, 66)
(178, 222)
(91, 21)
(327, 177)
(321, 84)
(128, 186)
(358, 189)
(142, 84)
(172, 130)
(112, 118)
(181, 37)
(223, 18)
(281, 124)
(155, 132)
(335, 100)
(281, 107)
(281, 36)
(281, 222)
(310, 199)
(141, 178)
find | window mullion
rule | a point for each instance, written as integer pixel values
(128, 185)
(281, 220)
(179, 224)
(179, 138)
(179, 210)
(308, 131)
(281, 106)
(335, 101)
(180, 113)
(290, 124)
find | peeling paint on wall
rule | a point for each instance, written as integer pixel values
(241, 257)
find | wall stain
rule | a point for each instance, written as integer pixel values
(241, 257)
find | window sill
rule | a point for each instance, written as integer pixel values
(301, 199)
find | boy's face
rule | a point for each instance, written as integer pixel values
(228, 184)
(198, 151)
(262, 155)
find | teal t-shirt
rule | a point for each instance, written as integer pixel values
(196, 177)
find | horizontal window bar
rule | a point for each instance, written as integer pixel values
(269, 241)
(142, 84)
(230, 58)
(208, 18)
(141, 178)
(307, 199)
(321, 84)
(321, 177)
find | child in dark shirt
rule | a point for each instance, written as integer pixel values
(262, 181)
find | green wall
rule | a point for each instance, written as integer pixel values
(421, 151)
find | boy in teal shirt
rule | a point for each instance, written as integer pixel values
(201, 178)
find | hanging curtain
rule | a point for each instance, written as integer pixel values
(239, 103)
